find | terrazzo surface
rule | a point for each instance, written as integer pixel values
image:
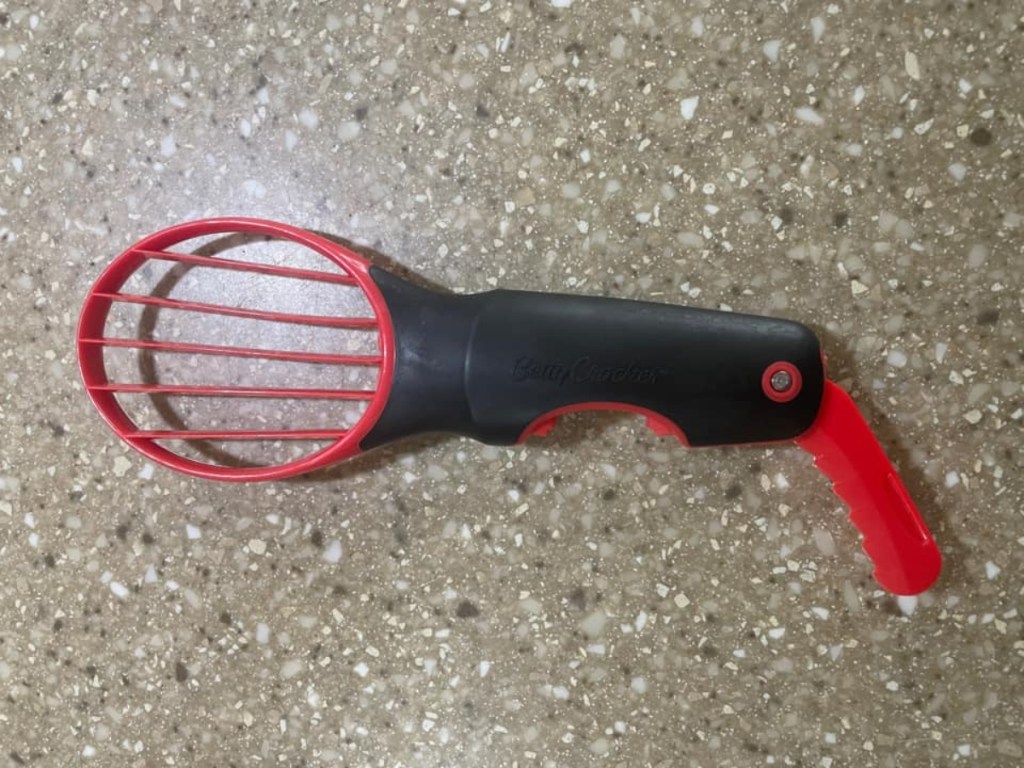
(598, 597)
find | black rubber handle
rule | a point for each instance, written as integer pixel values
(490, 365)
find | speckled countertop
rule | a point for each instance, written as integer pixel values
(602, 597)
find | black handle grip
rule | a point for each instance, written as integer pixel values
(490, 365)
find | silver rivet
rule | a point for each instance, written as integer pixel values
(781, 381)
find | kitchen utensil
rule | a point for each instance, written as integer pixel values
(289, 352)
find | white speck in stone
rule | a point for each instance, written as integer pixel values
(583, 226)
(641, 621)
(172, 585)
(965, 86)
(639, 684)
(830, 738)
(599, 746)
(977, 256)
(561, 3)
(809, 115)
(688, 107)
(771, 49)
(88, 150)
(348, 130)
(821, 613)
(121, 466)
(824, 542)
(958, 171)
(29, 520)
(922, 128)
(618, 47)
(584, 155)
(857, 288)
(973, 416)
(858, 95)
(18, 164)
(333, 552)
(940, 351)
(245, 128)
(781, 482)
(643, 217)
(428, 724)
(291, 668)
(257, 546)
(119, 589)
(697, 26)
(817, 28)
(192, 531)
(964, 750)
(776, 633)
(309, 118)
(33, 539)
(992, 570)
(151, 575)
(254, 188)
(952, 479)
(709, 188)
(361, 669)
(560, 692)
(484, 668)
(291, 139)
(661, 589)
(907, 604)
(146, 473)
(262, 633)
(168, 146)
(593, 625)
(910, 64)
(854, 149)
(88, 751)
(896, 358)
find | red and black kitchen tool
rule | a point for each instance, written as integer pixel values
(243, 349)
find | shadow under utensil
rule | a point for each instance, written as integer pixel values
(148, 372)
(384, 262)
(892, 440)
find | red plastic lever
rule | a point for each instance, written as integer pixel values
(904, 554)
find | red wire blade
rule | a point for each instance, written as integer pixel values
(213, 349)
(247, 266)
(198, 390)
(236, 434)
(905, 556)
(253, 314)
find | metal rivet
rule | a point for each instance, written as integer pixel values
(781, 381)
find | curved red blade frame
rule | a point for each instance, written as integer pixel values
(905, 556)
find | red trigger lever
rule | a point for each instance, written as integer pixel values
(904, 554)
